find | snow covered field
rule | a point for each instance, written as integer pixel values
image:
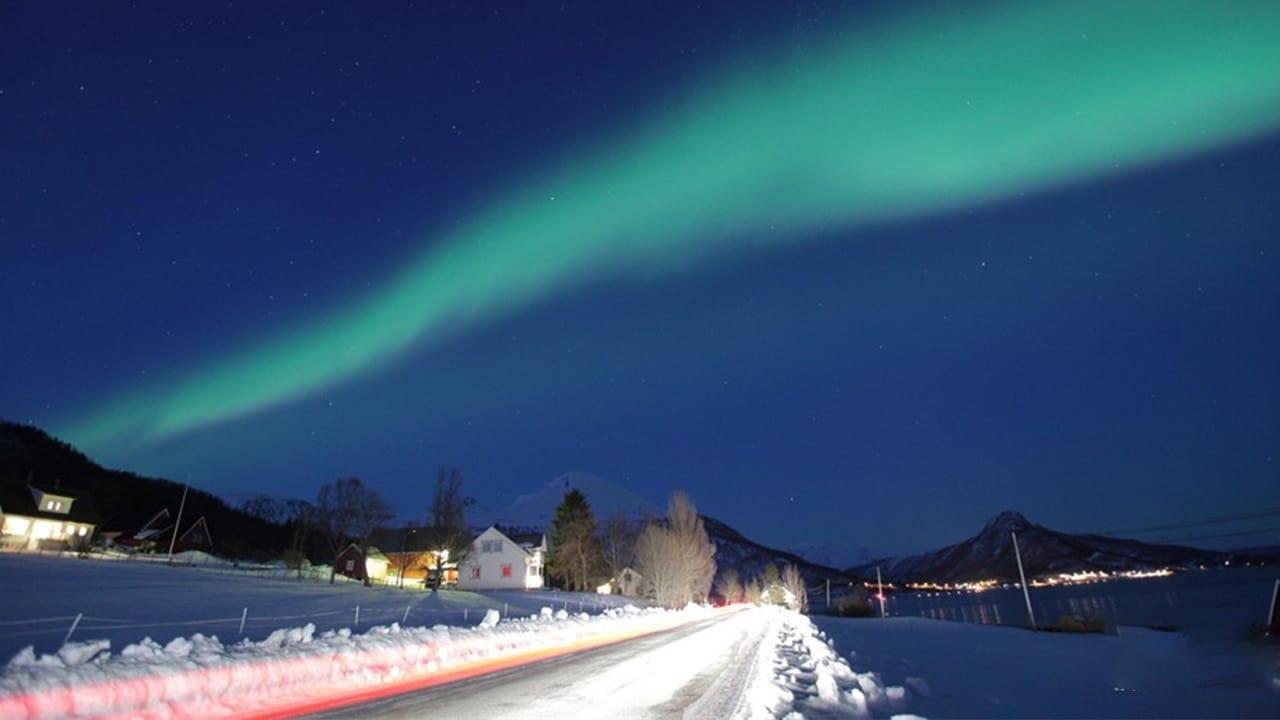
(961, 670)
(126, 601)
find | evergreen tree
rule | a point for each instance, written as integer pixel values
(575, 557)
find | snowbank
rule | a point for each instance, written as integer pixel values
(798, 672)
(295, 670)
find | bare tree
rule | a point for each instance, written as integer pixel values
(448, 534)
(729, 586)
(797, 597)
(660, 567)
(347, 511)
(697, 553)
(677, 561)
(371, 513)
(618, 544)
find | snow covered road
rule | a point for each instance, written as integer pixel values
(697, 670)
(743, 662)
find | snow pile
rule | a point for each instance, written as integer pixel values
(296, 670)
(798, 671)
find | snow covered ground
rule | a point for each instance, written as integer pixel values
(799, 673)
(739, 662)
(126, 601)
(954, 669)
(296, 670)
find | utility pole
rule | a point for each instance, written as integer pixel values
(1025, 593)
(880, 593)
(403, 561)
(177, 525)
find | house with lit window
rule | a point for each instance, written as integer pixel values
(359, 564)
(34, 518)
(503, 561)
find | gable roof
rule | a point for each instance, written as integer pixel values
(208, 537)
(17, 499)
(523, 540)
(372, 553)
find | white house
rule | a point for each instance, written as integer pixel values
(31, 517)
(498, 561)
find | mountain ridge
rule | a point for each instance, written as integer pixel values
(989, 555)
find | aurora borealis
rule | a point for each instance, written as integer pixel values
(833, 257)
(913, 115)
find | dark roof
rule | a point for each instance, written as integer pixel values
(521, 538)
(17, 499)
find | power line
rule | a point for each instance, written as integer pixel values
(1212, 520)
(1224, 535)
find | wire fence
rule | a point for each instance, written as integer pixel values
(83, 626)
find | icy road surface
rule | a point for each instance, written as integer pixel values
(697, 670)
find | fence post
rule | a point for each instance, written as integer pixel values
(1025, 593)
(506, 607)
(464, 615)
(828, 593)
(243, 616)
(74, 623)
(357, 622)
(405, 619)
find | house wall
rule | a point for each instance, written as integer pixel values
(490, 564)
(30, 531)
(350, 563)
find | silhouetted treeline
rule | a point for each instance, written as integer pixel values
(125, 500)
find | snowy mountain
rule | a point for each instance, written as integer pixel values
(536, 509)
(990, 555)
(748, 557)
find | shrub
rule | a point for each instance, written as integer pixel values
(854, 604)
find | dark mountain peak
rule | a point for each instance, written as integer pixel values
(989, 555)
(1007, 521)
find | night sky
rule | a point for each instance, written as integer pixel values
(859, 275)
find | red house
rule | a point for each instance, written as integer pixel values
(156, 534)
(358, 564)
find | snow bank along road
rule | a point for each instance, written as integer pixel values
(698, 662)
(125, 601)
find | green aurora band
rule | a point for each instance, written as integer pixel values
(916, 113)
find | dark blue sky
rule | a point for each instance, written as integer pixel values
(181, 181)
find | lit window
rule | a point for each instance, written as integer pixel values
(506, 571)
(14, 525)
(84, 529)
